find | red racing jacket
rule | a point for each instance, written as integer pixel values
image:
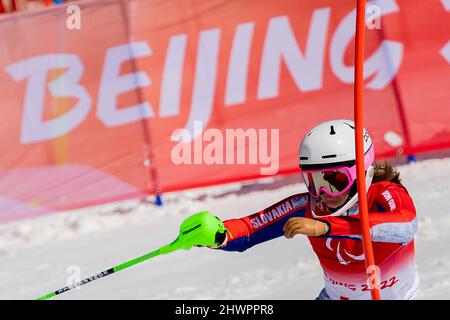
(393, 224)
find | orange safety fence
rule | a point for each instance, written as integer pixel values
(94, 111)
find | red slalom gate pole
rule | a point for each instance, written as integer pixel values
(13, 5)
(371, 268)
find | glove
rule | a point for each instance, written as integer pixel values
(220, 239)
(306, 226)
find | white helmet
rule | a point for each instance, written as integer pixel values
(328, 161)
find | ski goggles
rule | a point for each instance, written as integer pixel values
(332, 181)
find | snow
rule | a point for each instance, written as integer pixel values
(39, 255)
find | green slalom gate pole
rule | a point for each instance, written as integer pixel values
(199, 229)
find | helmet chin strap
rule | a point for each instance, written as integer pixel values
(350, 203)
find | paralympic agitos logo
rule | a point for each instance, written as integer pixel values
(343, 256)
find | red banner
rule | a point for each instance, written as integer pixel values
(107, 100)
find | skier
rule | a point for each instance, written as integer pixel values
(328, 215)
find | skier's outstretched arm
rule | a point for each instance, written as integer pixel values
(264, 225)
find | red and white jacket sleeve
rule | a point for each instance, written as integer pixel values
(392, 216)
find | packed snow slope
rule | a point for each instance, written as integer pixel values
(41, 255)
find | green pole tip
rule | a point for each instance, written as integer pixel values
(48, 296)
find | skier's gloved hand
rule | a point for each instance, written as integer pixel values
(306, 226)
(219, 241)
